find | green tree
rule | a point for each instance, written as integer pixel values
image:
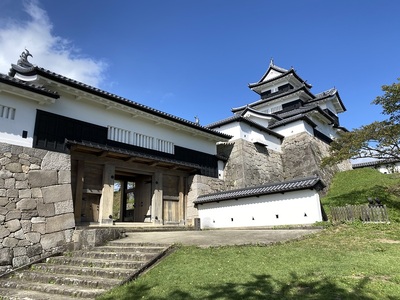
(379, 139)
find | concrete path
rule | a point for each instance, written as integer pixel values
(222, 237)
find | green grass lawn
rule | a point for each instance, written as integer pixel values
(347, 261)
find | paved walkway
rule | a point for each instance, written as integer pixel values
(222, 237)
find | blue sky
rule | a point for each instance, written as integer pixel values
(196, 57)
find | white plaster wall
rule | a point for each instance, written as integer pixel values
(294, 128)
(232, 129)
(264, 121)
(251, 134)
(255, 135)
(298, 207)
(25, 114)
(389, 169)
(95, 113)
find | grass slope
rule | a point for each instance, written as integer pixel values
(350, 261)
(355, 186)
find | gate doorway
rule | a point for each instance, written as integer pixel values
(132, 198)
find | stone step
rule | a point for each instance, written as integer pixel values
(128, 243)
(81, 274)
(52, 289)
(63, 279)
(130, 249)
(112, 273)
(14, 294)
(96, 263)
(137, 256)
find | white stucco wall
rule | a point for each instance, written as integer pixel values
(389, 168)
(241, 130)
(92, 112)
(298, 207)
(24, 119)
(294, 128)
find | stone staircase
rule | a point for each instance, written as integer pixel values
(81, 274)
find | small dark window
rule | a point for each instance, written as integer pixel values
(24, 134)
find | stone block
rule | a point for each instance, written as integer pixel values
(57, 193)
(19, 251)
(39, 227)
(59, 223)
(34, 167)
(24, 162)
(63, 207)
(20, 176)
(24, 156)
(3, 201)
(12, 193)
(13, 225)
(52, 240)
(29, 214)
(45, 209)
(13, 214)
(5, 147)
(10, 242)
(33, 237)
(2, 183)
(14, 167)
(37, 220)
(5, 256)
(56, 161)
(2, 218)
(24, 243)
(64, 176)
(26, 225)
(9, 183)
(27, 204)
(20, 261)
(42, 178)
(4, 174)
(36, 193)
(21, 184)
(3, 210)
(19, 234)
(34, 250)
(5, 161)
(26, 193)
(25, 169)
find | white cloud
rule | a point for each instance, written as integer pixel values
(49, 51)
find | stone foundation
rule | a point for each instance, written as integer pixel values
(36, 206)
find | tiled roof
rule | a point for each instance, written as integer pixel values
(132, 153)
(274, 97)
(273, 188)
(286, 72)
(292, 119)
(28, 86)
(93, 90)
(303, 110)
(375, 163)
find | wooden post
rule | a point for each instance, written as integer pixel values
(157, 201)
(181, 201)
(78, 192)
(107, 195)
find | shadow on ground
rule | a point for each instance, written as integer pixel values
(260, 288)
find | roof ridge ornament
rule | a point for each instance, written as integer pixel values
(271, 61)
(23, 59)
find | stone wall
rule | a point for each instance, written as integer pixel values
(250, 164)
(36, 206)
(302, 155)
